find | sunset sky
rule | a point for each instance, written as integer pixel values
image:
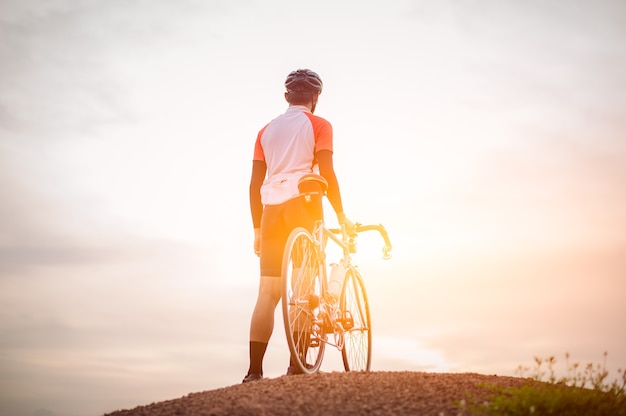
(488, 136)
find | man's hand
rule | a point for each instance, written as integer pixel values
(257, 241)
(343, 220)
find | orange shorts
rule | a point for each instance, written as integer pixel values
(277, 223)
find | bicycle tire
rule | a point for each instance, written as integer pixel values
(355, 315)
(301, 293)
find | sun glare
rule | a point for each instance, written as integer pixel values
(405, 355)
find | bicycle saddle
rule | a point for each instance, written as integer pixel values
(312, 183)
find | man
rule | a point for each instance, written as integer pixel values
(292, 145)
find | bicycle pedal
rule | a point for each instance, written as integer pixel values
(347, 322)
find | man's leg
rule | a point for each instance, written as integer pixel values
(262, 322)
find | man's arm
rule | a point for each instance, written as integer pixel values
(256, 206)
(327, 170)
(259, 168)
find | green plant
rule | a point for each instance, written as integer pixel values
(582, 391)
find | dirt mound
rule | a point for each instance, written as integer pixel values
(374, 393)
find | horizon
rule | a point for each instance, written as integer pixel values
(488, 138)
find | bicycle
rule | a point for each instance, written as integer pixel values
(316, 305)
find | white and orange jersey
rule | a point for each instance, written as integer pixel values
(288, 145)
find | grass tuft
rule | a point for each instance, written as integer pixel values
(583, 390)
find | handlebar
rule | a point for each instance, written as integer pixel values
(359, 228)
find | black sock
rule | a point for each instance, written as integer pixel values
(257, 352)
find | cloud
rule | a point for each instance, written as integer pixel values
(70, 79)
(126, 129)
(74, 65)
(405, 354)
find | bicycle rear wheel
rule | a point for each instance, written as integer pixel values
(355, 318)
(301, 293)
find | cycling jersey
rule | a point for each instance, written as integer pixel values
(288, 145)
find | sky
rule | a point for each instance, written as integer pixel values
(487, 136)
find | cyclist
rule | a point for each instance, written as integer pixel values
(294, 144)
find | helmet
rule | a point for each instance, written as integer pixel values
(303, 80)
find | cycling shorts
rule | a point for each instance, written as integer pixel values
(277, 223)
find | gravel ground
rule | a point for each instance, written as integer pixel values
(336, 394)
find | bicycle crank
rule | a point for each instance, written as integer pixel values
(339, 335)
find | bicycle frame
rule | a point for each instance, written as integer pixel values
(345, 241)
(321, 235)
(313, 315)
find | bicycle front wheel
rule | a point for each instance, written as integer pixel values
(301, 294)
(355, 316)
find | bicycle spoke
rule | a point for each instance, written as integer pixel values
(301, 293)
(357, 349)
